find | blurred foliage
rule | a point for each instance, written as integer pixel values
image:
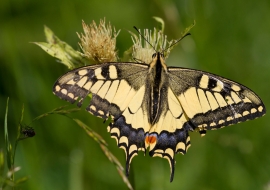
(231, 39)
(7, 179)
(61, 50)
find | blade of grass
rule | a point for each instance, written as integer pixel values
(7, 143)
(20, 126)
(91, 133)
(18, 133)
(118, 166)
(60, 110)
(2, 162)
(102, 143)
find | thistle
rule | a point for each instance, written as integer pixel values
(98, 43)
(154, 41)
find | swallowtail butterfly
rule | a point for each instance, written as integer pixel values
(155, 106)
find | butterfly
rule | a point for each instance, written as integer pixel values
(155, 106)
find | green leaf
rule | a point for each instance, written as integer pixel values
(188, 29)
(184, 34)
(62, 51)
(161, 21)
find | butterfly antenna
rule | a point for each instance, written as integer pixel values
(144, 37)
(187, 34)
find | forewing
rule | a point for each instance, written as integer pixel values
(211, 101)
(111, 86)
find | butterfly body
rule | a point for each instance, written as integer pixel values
(154, 106)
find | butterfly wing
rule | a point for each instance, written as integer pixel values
(212, 102)
(118, 90)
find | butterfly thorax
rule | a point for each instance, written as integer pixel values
(157, 72)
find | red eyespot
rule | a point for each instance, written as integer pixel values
(150, 139)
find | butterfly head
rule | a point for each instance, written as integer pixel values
(158, 55)
(156, 45)
(158, 58)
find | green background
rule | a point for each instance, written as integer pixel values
(231, 39)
